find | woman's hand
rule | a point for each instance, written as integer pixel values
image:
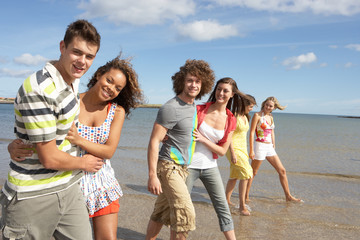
(198, 136)
(73, 135)
(233, 159)
(252, 155)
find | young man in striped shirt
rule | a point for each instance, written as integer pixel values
(41, 197)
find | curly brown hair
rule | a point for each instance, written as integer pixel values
(84, 29)
(199, 69)
(131, 96)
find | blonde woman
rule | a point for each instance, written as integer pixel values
(263, 126)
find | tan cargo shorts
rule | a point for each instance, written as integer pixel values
(174, 207)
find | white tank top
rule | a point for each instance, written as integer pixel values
(203, 157)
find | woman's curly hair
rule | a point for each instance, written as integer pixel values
(199, 69)
(131, 96)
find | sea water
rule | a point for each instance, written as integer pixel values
(321, 154)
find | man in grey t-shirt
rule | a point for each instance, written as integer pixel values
(176, 119)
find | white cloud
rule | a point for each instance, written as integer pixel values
(15, 73)
(356, 47)
(3, 59)
(139, 12)
(206, 30)
(333, 46)
(274, 21)
(349, 64)
(297, 62)
(325, 7)
(323, 65)
(29, 60)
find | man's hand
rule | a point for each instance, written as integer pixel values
(92, 163)
(19, 150)
(154, 185)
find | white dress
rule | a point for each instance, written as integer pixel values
(100, 188)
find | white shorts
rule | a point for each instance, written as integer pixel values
(263, 150)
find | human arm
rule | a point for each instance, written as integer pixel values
(157, 135)
(18, 150)
(254, 122)
(232, 154)
(106, 150)
(213, 147)
(53, 158)
(273, 137)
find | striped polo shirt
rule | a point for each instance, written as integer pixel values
(45, 108)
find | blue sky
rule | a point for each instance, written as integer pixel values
(304, 52)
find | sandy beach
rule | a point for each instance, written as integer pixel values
(274, 221)
(322, 164)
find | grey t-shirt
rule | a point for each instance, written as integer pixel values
(180, 119)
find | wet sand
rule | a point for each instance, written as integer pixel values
(271, 218)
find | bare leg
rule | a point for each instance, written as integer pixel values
(242, 191)
(105, 226)
(153, 230)
(255, 164)
(177, 236)
(230, 186)
(247, 198)
(276, 163)
(230, 235)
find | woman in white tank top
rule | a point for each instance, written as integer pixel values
(216, 124)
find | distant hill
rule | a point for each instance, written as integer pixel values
(11, 100)
(6, 100)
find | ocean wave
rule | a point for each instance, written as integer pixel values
(336, 175)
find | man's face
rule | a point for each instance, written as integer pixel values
(76, 58)
(192, 86)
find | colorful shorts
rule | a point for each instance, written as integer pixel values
(113, 207)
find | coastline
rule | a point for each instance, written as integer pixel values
(6, 100)
(322, 164)
(11, 101)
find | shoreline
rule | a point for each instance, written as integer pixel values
(11, 101)
(271, 219)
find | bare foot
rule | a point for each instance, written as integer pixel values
(231, 204)
(247, 200)
(244, 212)
(248, 207)
(293, 199)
